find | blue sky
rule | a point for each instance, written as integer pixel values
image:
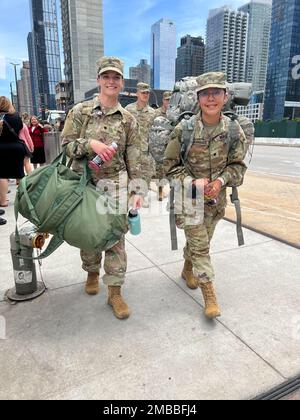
(127, 26)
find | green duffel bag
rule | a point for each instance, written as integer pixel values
(67, 205)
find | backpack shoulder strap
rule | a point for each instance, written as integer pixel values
(86, 111)
(10, 129)
(233, 129)
(233, 135)
(188, 131)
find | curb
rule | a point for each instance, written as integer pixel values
(277, 141)
(281, 391)
(268, 235)
(276, 144)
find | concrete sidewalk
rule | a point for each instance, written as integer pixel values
(67, 345)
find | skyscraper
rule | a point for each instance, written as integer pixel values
(44, 51)
(282, 97)
(142, 72)
(82, 26)
(24, 89)
(33, 73)
(163, 54)
(258, 41)
(226, 42)
(190, 57)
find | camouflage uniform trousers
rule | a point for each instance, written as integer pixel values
(198, 238)
(115, 263)
(159, 171)
(159, 176)
(148, 167)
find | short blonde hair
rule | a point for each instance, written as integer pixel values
(5, 104)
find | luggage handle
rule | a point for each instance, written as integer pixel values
(76, 196)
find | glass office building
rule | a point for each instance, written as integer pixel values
(33, 73)
(258, 41)
(83, 41)
(226, 43)
(163, 54)
(45, 48)
(282, 97)
(190, 57)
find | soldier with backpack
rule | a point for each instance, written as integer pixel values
(205, 153)
(158, 139)
(90, 129)
(162, 111)
(144, 115)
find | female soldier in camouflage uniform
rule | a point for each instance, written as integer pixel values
(90, 129)
(144, 115)
(210, 166)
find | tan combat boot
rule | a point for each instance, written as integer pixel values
(160, 194)
(117, 302)
(211, 306)
(188, 275)
(92, 284)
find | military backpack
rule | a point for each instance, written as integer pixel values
(183, 108)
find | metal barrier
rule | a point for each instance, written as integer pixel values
(52, 145)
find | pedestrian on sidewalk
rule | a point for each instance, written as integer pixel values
(36, 131)
(90, 129)
(26, 137)
(12, 150)
(206, 164)
(2, 221)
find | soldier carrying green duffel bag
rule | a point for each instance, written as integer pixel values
(90, 129)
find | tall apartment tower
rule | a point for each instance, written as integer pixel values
(82, 28)
(226, 43)
(33, 73)
(190, 57)
(24, 89)
(282, 95)
(258, 41)
(142, 72)
(44, 53)
(163, 54)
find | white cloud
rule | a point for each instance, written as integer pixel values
(145, 6)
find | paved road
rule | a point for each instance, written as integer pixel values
(275, 160)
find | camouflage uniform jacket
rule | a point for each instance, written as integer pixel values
(112, 125)
(160, 112)
(208, 157)
(145, 118)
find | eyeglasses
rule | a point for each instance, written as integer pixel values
(215, 93)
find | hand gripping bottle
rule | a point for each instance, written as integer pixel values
(97, 162)
(134, 221)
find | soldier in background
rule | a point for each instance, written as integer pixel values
(144, 115)
(209, 166)
(162, 111)
(158, 139)
(90, 129)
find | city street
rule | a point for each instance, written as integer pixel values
(284, 161)
(270, 196)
